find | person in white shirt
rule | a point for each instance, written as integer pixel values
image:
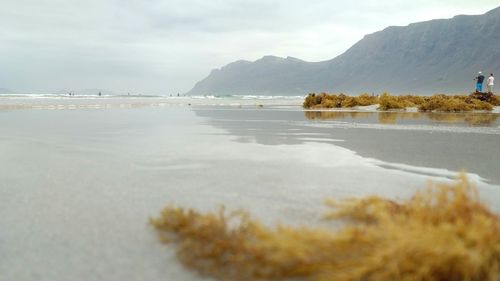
(490, 82)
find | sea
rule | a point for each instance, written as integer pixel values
(80, 176)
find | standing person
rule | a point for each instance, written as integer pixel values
(490, 82)
(479, 81)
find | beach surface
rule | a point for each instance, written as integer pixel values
(80, 177)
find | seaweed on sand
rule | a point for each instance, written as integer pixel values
(487, 97)
(324, 100)
(391, 102)
(388, 102)
(366, 99)
(442, 233)
(443, 103)
(453, 104)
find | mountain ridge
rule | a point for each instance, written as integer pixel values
(440, 55)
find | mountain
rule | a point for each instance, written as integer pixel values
(437, 56)
(5, 91)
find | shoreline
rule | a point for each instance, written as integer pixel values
(71, 103)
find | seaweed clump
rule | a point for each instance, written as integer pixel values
(454, 104)
(388, 102)
(487, 97)
(324, 100)
(442, 233)
(436, 103)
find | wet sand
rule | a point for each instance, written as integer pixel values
(80, 185)
(452, 141)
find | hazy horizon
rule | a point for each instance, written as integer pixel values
(165, 47)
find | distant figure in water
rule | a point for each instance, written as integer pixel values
(490, 83)
(99, 93)
(479, 82)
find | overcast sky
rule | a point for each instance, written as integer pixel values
(165, 46)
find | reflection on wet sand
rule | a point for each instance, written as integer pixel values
(450, 149)
(331, 115)
(471, 119)
(393, 117)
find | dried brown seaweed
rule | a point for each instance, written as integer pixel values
(443, 103)
(442, 233)
(324, 100)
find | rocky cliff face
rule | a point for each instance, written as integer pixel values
(422, 58)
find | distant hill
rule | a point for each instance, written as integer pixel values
(5, 91)
(422, 58)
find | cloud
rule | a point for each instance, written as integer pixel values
(157, 46)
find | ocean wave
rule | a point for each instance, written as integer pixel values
(211, 97)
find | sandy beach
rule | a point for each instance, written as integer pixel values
(80, 183)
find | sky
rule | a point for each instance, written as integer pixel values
(166, 46)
